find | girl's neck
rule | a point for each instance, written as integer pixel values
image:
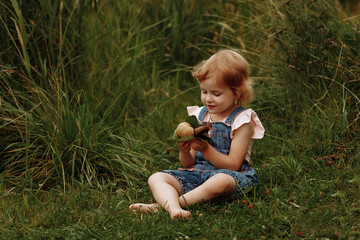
(221, 117)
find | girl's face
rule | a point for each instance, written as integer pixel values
(219, 100)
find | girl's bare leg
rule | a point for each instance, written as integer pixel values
(166, 190)
(218, 185)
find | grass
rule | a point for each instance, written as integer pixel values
(294, 206)
(92, 90)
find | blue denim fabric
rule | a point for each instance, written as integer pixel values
(203, 170)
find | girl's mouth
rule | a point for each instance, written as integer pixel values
(210, 106)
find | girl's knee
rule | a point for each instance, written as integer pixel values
(154, 178)
(159, 177)
(224, 184)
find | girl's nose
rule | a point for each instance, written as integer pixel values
(209, 98)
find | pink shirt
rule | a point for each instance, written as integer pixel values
(242, 118)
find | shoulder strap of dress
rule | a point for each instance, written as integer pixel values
(233, 114)
(202, 113)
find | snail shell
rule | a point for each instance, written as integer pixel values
(184, 129)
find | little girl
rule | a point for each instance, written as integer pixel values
(222, 168)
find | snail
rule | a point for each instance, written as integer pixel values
(185, 129)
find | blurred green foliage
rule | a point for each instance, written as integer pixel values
(92, 89)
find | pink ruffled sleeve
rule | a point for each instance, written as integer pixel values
(245, 117)
(194, 110)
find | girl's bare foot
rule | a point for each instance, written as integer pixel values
(154, 207)
(144, 208)
(178, 213)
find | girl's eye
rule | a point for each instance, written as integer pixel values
(217, 94)
(203, 91)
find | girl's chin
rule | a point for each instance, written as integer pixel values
(212, 110)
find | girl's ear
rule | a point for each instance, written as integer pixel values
(237, 92)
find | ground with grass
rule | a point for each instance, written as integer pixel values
(319, 203)
(91, 92)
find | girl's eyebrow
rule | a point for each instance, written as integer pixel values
(216, 90)
(211, 90)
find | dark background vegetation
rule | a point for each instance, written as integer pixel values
(92, 90)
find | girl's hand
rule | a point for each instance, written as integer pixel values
(184, 146)
(199, 145)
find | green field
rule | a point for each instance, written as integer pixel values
(91, 91)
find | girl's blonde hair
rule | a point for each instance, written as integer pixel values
(231, 69)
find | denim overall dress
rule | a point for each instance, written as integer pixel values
(203, 170)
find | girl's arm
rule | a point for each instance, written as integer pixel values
(238, 149)
(186, 155)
